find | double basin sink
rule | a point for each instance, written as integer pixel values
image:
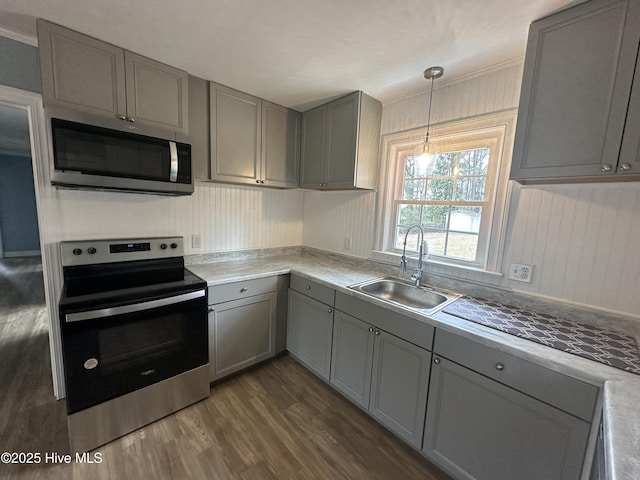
(423, 299)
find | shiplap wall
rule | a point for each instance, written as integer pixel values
(227, 217)
(582, 239)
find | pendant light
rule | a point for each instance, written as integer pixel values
(425, 153)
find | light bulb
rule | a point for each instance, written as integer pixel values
(425, 157)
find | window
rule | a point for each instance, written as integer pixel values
(458, 202)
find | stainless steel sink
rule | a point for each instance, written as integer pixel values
(404, 294)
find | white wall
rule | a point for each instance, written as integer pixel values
(227, 217)
(583, 239)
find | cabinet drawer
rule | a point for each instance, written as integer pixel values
(247, 288)
(312, 289)
(564, 392)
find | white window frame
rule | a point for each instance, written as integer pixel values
(451, 135)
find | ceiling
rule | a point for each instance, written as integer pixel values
(299, 53)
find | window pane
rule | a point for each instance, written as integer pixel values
(436, 240)
(414, 168)
(462, 245)
(470, 189)
(408, 214)
(439, 188)
(413, 189)
(435, 217)
(465, 219)
(445, 164)
(474, 162)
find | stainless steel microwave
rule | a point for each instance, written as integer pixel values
(88, 156)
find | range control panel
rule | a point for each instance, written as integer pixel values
(87, 252)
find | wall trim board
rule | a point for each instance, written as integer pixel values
(22, 253)
(19, 37)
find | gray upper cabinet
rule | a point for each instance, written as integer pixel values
(280, 145)
(83, 74)
(575, 95)
(236, 120)
(340, 144)
(253, 141)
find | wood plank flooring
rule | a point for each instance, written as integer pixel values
(276, 421)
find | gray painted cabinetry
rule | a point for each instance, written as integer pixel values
(242, 325)
(340, 144)
(382, 373)
(83, 74)
(310, 324)
(480, 428)
(577, 94)
(253, 141)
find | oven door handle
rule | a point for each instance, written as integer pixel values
(134, 307)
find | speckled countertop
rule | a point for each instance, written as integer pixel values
(621, 390)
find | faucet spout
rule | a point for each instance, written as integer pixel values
(422, 252)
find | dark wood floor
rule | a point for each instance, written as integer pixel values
(276, 421)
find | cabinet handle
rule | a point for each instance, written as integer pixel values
(625, 167)
(308, 287)
(330, 311)
(210, 310)
(371, 329)
(121, 117)
(257, 181)
(606, 168)
(262, 182)
(499, 366)
(243, 289)
(131, 119)
(377, 332)
(436, 361)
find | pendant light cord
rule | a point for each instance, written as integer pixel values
(426, 137)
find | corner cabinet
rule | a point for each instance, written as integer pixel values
(340, 144)
(253, 141)
(491, 416)
(579, 117)
(242, 325)
(83, 74)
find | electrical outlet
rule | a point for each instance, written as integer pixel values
(347, 244)
(521, 272)
(195, 241)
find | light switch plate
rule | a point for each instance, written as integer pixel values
(521, 272)
(195, 241)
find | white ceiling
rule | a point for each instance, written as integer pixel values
(299, 53)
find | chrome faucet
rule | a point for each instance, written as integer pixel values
(416, 277)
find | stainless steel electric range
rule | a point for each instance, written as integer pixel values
(134, 335)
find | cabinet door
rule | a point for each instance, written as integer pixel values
(241, 333)
(342, 129)
(235, 135)
(352, 357)
(575, 91)
(399, 386)
(80, 72)
(280, 145)
(309, 332)
(312, 166)
(629, 163)
(157, 94)
(479, 429)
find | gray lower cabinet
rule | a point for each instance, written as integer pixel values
(309, 332)
(577, 105)
(83, 74)
(479, 429)
(242, 325)
(383, 374)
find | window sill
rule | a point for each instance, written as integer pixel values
(391, 258)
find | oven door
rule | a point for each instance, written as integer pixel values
(112, 351)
